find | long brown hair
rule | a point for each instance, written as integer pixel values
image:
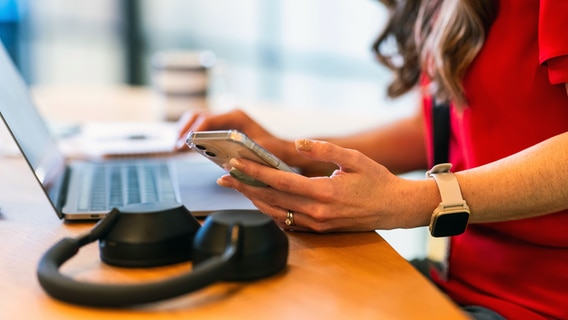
(437, 37)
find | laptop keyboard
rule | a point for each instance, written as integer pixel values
(122, 184)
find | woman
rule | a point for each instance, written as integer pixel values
(503, 67)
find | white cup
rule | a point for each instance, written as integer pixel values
(181, 81)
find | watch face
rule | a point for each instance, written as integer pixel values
(449, 224)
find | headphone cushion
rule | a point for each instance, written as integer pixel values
(263, 247)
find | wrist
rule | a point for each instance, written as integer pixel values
(415, 200)
(429, 200)
(451, 216)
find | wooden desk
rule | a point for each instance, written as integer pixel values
(333, 276)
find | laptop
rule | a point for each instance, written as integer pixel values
(83, 189)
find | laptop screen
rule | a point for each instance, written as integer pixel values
(28, 129)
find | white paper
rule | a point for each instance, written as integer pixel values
(118, 139)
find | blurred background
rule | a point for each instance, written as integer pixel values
(304, 55)
(315, 53)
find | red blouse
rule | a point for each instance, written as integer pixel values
(516, 98)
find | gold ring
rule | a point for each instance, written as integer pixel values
(290, 218)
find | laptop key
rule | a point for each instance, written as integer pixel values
(116, 188)
(133, 182)
(98, 189)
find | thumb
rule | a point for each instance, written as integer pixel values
(345, 159)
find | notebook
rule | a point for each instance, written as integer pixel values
(84, 189)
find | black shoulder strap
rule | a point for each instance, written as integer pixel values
(441, 131)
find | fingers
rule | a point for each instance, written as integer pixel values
(202, 121)
(320, 188)
(284, 181)
(346, 159)
(275, 197)
(319, 212)
(291, 191)
(261, 199)
(186, 123)
(299, 222)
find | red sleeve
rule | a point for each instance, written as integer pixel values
(553, 39)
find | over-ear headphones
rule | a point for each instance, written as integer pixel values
(232, 245)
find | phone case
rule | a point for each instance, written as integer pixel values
(221, 146)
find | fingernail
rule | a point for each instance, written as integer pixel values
(180, 144)
(235, 163)
(221, 182)
(304, 144)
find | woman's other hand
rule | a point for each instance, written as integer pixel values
(235, 119)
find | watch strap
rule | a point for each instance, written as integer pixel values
(448, 185)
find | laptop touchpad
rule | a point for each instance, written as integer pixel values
(199, 191)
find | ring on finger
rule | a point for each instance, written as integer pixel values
(289, 218)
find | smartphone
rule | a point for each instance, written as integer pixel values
(221, 146)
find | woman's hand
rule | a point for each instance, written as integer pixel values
(361, 195)
(236, 119)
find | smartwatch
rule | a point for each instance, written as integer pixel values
(452, 214)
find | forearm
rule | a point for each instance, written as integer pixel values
(399, 146)
(530, 183)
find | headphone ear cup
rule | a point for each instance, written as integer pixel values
(149, 235)
(263, 246)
